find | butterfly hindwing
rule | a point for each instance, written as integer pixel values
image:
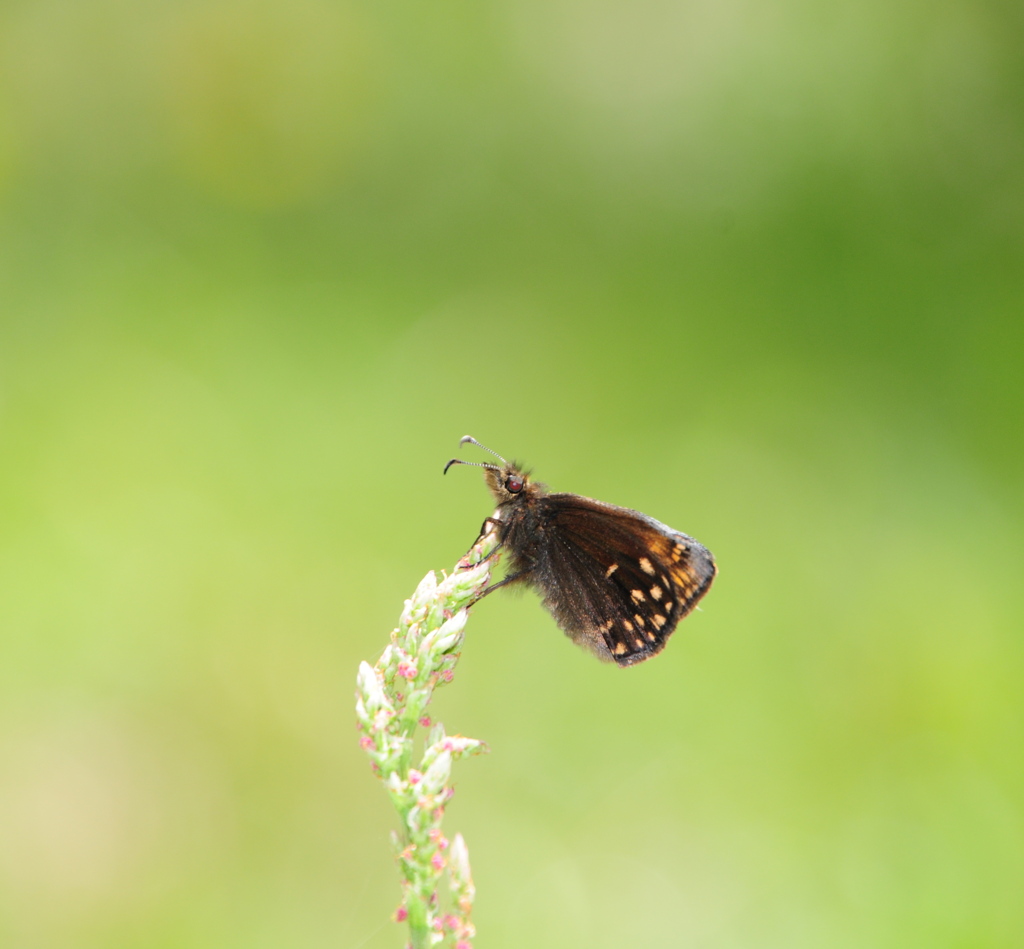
(616, 580)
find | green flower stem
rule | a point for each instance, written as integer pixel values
(391, 704)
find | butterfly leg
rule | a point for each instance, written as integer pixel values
(466, 563)
(489, 522)
(504, 581)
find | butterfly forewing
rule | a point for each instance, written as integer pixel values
(616, 580)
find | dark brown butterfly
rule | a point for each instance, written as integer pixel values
(615, 580)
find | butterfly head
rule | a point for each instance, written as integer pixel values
(508, 482)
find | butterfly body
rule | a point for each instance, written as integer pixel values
(616, 581)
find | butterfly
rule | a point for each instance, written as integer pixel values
(616, 581)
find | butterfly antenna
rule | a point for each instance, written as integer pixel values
(474, 464)
(471, 440)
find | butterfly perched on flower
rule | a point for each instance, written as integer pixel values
(615, 580)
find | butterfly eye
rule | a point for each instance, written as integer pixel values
(513, 485)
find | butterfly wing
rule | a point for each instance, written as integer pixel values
(617, 581)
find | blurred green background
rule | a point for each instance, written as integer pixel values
(754, 270)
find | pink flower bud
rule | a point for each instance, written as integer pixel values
(438, 838)
(401, 914)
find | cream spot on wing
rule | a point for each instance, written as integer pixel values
(608, 625)
(669, 605)
(645, 565)
(619, 648)
(611, 570)
(628, 625)
(639, 620)
(656, 592)
(650, 634)
(658, 620)
(638, 642)
(637, 595)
